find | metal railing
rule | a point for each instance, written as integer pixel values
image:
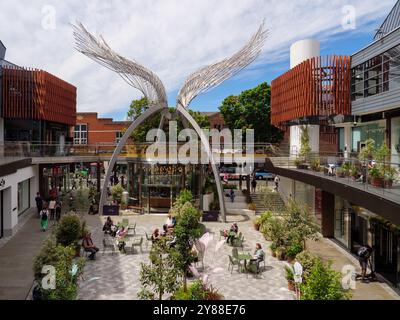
(38, 149)
(378, 177)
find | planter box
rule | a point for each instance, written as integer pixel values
(388, 184)
(377, 182)
(207, 199)
(210, 216)
(302, 166)
(110, 210)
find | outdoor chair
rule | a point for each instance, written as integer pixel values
(137, 243)
(235, 253)
(238, 242)
(200, 259)
(132, 227)
(233, 262)
(148, 240)
(125, 222)
(109, 243)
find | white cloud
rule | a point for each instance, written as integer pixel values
(172, 37)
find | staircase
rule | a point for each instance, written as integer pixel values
(268, 201)
(239, 206)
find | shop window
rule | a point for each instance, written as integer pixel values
(23, 196)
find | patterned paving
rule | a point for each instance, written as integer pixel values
(116, 276)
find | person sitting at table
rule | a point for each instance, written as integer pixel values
(232, 233)
(156, 235)
(121, 233)
(165, 231)
(258, 256)
(88, 246)
(170, 223)
(107, 228)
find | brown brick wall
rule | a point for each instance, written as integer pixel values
(100, 131)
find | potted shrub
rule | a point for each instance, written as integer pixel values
(290, 278)
(257, 223)
(389, 177)
(376, 177)
(281, 253)
(213, 213)
(298, 163)
(292, 251)
(340, 172)
(346, 169)
(252, 206)
(315, 165)
(273, 249)
(354, 173)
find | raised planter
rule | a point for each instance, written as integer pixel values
(110, 210)
(302, 166)
(388, 184)
(207, 200)
(377, 182)
(210, 215)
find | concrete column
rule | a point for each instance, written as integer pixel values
(347, 141)
(295, 139)
(328, 214)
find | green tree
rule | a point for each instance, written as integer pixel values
(187, 230)
(160, 276)
(140, 106)
(301, 224)
(305, 147)
(323, 283)
(252, 110)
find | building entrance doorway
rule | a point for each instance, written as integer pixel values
(359, 231)
(386, 244)
(1, 215)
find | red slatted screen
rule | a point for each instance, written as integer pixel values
(317, 87)
(36, 94)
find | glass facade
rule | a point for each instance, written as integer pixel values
(377, 75)
(342, 222)
(395, 139)
(370, 130)
(23, 196)
(154, 187)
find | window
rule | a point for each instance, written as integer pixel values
(356, 139)
(376, 75)
(118, 136)
(80, 134)
(23, 196)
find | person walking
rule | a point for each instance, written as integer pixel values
(58, 209)
(44, 219)
(276, 180)
(52, 208)
(253, 185)
(39, 203)
(232, 195)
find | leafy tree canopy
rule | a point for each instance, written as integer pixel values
(252, 110)
(140, 106)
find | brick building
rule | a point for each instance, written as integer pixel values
(91, 130)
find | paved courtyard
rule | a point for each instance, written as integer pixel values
(116, 276)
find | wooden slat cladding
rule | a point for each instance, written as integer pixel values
(319, 86)
(36, 94)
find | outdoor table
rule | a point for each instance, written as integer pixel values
(244, 257)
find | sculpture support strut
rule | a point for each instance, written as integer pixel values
(204, 140)
(136, 123)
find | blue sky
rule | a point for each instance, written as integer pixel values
(174, 38)
(342, 44)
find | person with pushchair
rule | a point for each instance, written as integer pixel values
(364, 254)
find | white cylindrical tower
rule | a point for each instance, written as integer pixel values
(300, 51)
(303, 50)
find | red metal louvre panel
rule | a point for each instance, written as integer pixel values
(317, 87)
(36, 94)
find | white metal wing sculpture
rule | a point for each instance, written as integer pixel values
(132, 72)
(213, 75)
(153, 89)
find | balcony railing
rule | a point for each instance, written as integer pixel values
(378, 177)
(33, 149)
